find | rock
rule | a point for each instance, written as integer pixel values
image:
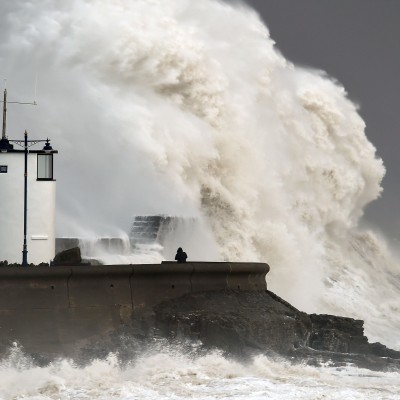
(344, 335)
(68, 257)
(243, 323)
(237, 322)
(338, 334)
(43, 264)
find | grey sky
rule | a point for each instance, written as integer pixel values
(358, 43)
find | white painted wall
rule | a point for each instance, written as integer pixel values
(41, 211)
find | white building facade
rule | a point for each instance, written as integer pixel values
(41, 203)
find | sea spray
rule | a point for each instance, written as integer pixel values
(187, 109)
(170, 372)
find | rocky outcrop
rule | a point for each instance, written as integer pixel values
(344, 335)
(68, 257)
(341, 340)
(243, 323)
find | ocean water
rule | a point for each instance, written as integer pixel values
(188, 109)
(173, 374)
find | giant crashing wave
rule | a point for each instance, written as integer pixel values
(188, 109)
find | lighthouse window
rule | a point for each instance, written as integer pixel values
(3, 169)
(45, 166)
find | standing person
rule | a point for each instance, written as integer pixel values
(181, 256)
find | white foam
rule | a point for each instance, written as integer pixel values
(171, 374)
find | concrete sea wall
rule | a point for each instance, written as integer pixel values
(60, 310)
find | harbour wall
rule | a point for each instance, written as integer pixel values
(58, 311)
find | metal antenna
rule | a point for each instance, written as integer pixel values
(3, 132)
(5, 102)
(34, 98)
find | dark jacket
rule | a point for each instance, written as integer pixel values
(181, 256)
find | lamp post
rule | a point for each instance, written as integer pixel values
(26, 144)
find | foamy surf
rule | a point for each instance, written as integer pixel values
(170, 373)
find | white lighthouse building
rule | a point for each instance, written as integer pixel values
(27, 200)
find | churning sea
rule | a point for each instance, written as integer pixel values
(171, 374)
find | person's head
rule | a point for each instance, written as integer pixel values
(179, 250)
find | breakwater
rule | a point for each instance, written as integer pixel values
(57, 311)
